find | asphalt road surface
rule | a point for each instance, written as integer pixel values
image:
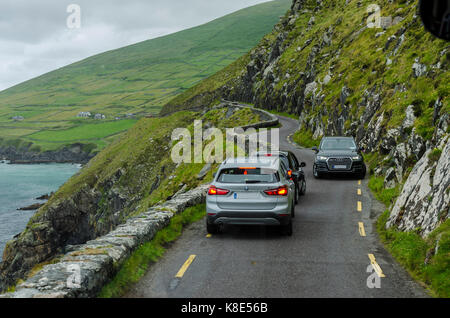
(327, 256)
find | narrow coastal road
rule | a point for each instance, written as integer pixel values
(327, 256)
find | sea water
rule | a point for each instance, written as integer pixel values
(20, 185)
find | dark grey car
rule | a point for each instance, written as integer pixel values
(295, 170)
(337, 155)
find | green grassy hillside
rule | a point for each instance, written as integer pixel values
(136, 79)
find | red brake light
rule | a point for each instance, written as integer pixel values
(216, 191)
(282, 191)
(290, 173)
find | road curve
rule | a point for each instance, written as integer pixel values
(327, 256)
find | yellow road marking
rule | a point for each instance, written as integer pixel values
(208, 235)
(359, 192)
(184, 268)
(359, 182)
(359, 206)
(362, 231)
(375, 265)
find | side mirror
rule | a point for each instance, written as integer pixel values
(435, 16)
(303, 164)
(315, 149)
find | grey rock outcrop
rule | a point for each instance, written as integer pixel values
(390, 179)
(206, 168)
(419, 69)
(410, 117)
(425, 198)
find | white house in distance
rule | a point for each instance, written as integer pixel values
(89, 115)
(99, 116)
(84, 115)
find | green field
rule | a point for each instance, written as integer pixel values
(136, 79)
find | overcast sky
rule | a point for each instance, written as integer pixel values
(35, 37)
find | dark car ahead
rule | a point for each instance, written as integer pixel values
(295, 170)
(339, 155)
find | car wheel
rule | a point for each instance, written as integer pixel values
(293, 211)
(303, 192)
(297, 195)
(212, 228)
(316, 173)
(287, 229)
(362, 175)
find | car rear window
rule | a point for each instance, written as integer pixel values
(253, 175)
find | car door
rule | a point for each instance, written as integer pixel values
(299, 168)
(285, 178)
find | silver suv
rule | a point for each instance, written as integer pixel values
(251, 191)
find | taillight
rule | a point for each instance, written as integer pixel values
(216, 191)
(282, 191)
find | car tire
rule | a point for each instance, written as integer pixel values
(303, 192)
(287, 229)
(316, 174)
(212, 228)
(362, 175)
(297, 195)
(293, 211)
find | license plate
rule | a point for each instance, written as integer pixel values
(245, 195)
(340, 167)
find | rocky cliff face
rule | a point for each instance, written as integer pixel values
(387, 87)
(425, 198)
(75, 153)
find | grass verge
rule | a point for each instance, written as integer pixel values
(305, 139)
(427, 260)
(137, 264)
(387, 196)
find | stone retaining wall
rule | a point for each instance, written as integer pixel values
(268, 119)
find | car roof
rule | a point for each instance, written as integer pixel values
(257, 162)
(274, 153)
